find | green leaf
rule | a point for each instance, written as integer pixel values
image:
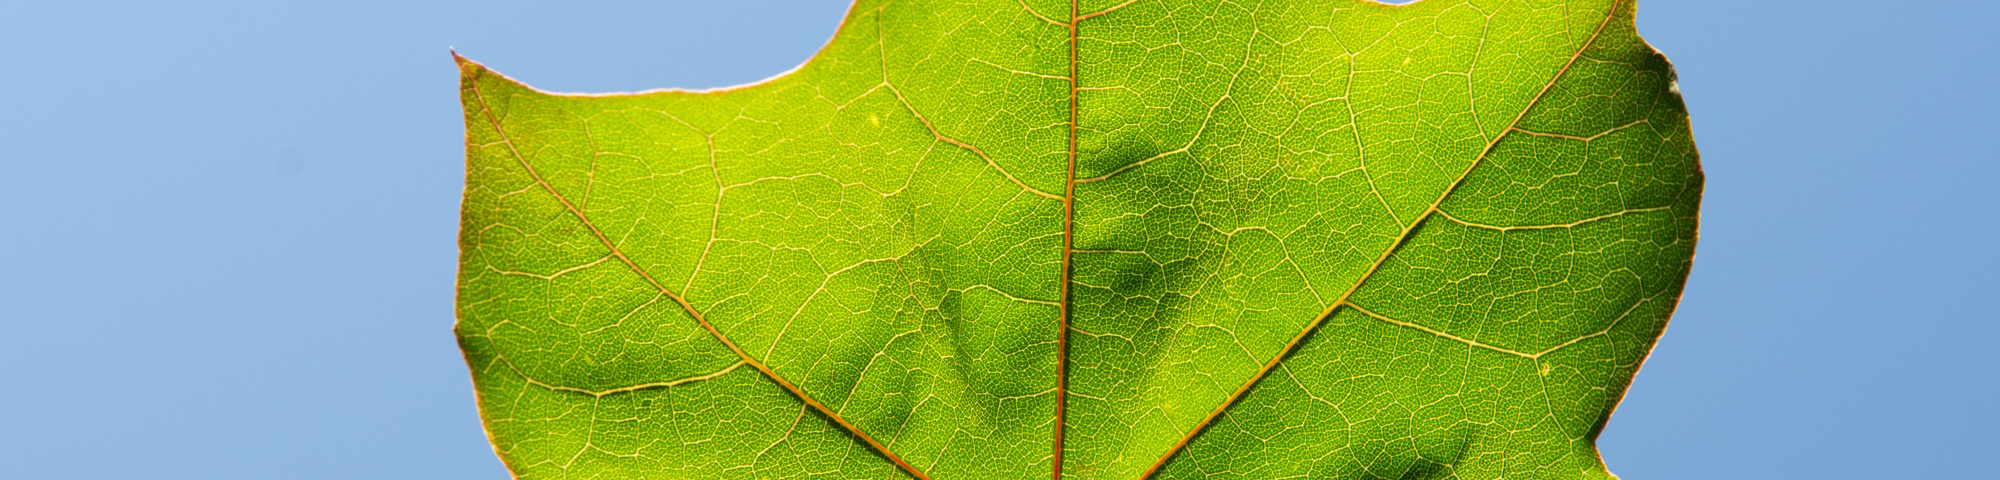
(1099, 240)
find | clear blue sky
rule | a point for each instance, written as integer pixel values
(229, 227)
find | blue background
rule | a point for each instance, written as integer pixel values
(227, 230)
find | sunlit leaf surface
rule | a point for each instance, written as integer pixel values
(1097, 240)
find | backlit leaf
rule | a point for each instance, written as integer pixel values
(1105, 239)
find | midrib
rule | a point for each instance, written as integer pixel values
(1069, 248)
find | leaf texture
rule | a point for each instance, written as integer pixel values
(1092, 240)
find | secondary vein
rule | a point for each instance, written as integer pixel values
(1407, 230)
(494, 121)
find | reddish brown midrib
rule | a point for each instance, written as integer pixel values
(705, 325)
(1069, 246)
(1299, 339)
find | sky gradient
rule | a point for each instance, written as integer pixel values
(230, 230)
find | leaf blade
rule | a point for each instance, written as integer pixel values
(862, 227)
